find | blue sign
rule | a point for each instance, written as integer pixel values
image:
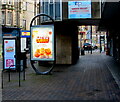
(79, 9)
(25, 34)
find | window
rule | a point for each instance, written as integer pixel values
(24, 24)
(46, 9)
(24, 6)
(51, 10)
(57, 10)
(3, 1)
(9, 17)
(3, 17)
(15, 18)
(10, 2)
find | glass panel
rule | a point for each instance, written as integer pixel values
(10, 1)
(57, 10)
(3, 17)
(46, 10)
(51, 10)
(9, 18)
(4, 1)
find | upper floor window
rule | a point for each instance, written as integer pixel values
(10, 2)
(4, 1)
(24, 6)
(46, 9)
(3, 17)
(57, 10)
(9, 17)
(51, 1)
(53, 8)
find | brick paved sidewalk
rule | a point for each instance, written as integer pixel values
(89, 79)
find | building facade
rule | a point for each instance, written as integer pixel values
(17, 13)
(110, 23)
(65, 9)
(68, 16)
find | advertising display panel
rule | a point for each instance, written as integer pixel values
(79, 9)
(25, 34)
(42, 43)
(9, 53)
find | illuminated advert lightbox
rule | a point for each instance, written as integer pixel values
(9, 52)
(42, 43)
(79, 9)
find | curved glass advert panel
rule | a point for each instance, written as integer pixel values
(42, 43)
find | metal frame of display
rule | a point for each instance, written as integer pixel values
(32, 61)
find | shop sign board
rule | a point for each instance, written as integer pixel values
(9, 53)
(42, 43)
(79, 9)
(25, 34)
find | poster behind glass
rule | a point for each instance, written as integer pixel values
(79, 9)
(9, 53)
(42, 43)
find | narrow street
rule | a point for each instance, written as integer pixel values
(90, 79)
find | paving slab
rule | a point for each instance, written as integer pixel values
(89, 79)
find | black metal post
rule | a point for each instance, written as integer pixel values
(88, 49)
(104, 43)
(2, 79)
(24, 66)
(9, 74)
(107, 38)
(19, 77)
(100, 42)
(91, 39)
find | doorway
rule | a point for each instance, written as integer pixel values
(91, 40)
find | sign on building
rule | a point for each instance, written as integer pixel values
(25, 34)
(79, 9)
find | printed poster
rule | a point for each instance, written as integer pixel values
(9, 52)
(42, 43)
(79, 9)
